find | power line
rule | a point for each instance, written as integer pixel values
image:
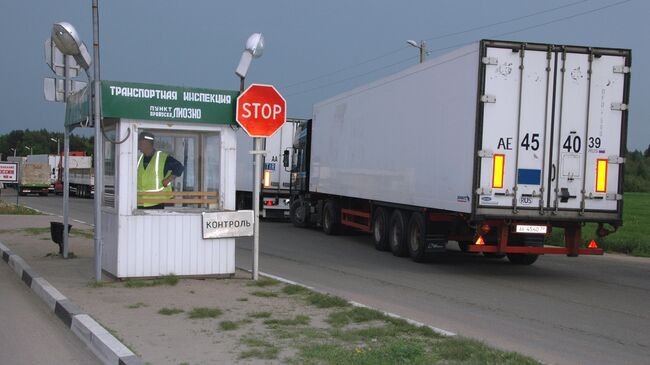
(345, 68)
(460, 45)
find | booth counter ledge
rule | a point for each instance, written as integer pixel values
(108, 349)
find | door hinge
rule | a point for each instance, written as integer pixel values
(613, 196)
(490, 60)
(619, 106)
(621, 69)
(488, 98)
(485, 154)
(616, 159)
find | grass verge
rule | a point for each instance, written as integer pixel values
(170, 311)
(204, 312)
(13, 209)
(169, 280)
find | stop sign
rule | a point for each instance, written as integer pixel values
(261, 110)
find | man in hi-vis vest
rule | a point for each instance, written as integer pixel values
(156, 171)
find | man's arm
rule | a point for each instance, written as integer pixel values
(176, 168)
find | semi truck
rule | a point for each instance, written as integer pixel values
(34, 178)
(492, 145)
(275, 184)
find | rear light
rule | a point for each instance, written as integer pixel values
(497, 171)
(592, 244)
(601, 175)
(479, 241)
(269, 203)
(485, 228)
(267, 178)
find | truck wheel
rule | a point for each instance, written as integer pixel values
(522, 258)
(494, 255)
(331, 218)
(397, 233)
(299, 213)
(417, 237)
(380, 229)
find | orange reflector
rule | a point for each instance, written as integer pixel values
(497, 171)
(592, 244)
(601, 175)
(267, 178)
(479, 241)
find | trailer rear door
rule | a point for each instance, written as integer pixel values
(550, 134)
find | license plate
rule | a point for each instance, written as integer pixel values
(520, 228)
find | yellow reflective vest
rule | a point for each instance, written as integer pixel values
(150, 179)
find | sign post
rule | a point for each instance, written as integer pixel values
(261, 111)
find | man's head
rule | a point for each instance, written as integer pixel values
(145, 143)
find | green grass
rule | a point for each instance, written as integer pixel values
(260, 315)
(242, 299)
(169, 280)
(258, 349)
(326, 301)
(262, 283)
(170, 311)
(204, 312)
(632, 238)
(355, 315)
(96, 284)
(295, 290)
(299, 320)
(137, 305)
(264, 294)
(228, 325)
(13, 209)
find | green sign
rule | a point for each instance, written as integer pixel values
(158, 102)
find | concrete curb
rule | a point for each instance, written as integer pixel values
(437, 330)
(108, 349)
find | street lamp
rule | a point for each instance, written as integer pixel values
(66, 38)
(58, 150)
(13, 149)
(254, 49)
(422, 47)
(31, 150)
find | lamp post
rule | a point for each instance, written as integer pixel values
(66, 38)
(31, 150)
(254, 49)
(58, 149)
(13, 149)
(422, 46)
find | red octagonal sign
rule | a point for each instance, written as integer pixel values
(261, 110)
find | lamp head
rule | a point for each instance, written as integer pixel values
(413, 43)
(66, 38)
(255, 45)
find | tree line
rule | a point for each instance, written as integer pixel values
(19, 142)
(40, 142)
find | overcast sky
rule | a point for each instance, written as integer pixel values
(314, 49)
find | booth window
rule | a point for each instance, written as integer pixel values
(197, 187)
(108, 169)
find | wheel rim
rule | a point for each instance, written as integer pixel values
(396, 233)
(379, 228)
(299, 213)
(414, 238)
(326, 220)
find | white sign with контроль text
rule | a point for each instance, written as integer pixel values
(228, 224)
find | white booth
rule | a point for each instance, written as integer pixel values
(197, 128)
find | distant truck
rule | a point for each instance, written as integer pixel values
(34, 179)
(82, 182)
(491, 145)
(276, 180)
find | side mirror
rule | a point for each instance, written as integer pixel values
(285, 158)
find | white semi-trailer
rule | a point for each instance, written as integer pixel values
(276, 179)
(491, 145)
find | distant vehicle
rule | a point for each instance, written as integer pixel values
(491, 145)
(34, 179)
(276, 180)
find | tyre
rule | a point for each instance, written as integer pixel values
(522, 258)
(380, 229)
(464, 246)
(397, 233)
(331, 218)
(299, 213)
(416, 237)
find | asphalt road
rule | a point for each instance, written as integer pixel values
(586, 310)
(29, 331)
